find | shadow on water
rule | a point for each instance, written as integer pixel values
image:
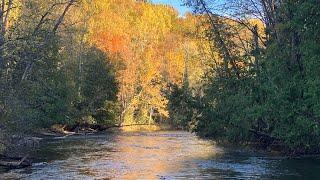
(156, 155)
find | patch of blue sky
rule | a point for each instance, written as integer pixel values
(177, 4)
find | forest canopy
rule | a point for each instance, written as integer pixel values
(105, 63)
(152, 49)
(268, 92)
(238, 71)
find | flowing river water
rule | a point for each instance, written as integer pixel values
(156, 155)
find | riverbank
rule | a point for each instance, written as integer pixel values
(155, 155)
(60, 131)
(272, 149)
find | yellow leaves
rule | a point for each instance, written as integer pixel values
(155, 22)
(150, 40)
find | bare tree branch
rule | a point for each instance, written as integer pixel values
(42, 20)
(60, 20)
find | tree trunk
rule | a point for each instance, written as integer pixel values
(151, 114)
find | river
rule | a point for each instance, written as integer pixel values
(156, 155)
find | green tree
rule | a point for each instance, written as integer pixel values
(269, 94)
(99, 88)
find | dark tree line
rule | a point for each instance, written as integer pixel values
(264, 87)
(49, 74)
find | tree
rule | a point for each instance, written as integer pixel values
(148, 45)
(260, 93)
(99, 90)
(40, 67)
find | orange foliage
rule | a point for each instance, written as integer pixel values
(151, 44)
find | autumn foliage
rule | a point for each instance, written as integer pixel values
(152, 47)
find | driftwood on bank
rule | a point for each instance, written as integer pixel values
(64, 131)
(13, 162)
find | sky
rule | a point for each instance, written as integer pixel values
(177, 4)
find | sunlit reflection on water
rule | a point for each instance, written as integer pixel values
(154, 155)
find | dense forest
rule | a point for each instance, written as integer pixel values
(263, 85)
(237, 70)
(50, 73)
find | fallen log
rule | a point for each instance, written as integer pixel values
(13, 162)
(51, 133)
